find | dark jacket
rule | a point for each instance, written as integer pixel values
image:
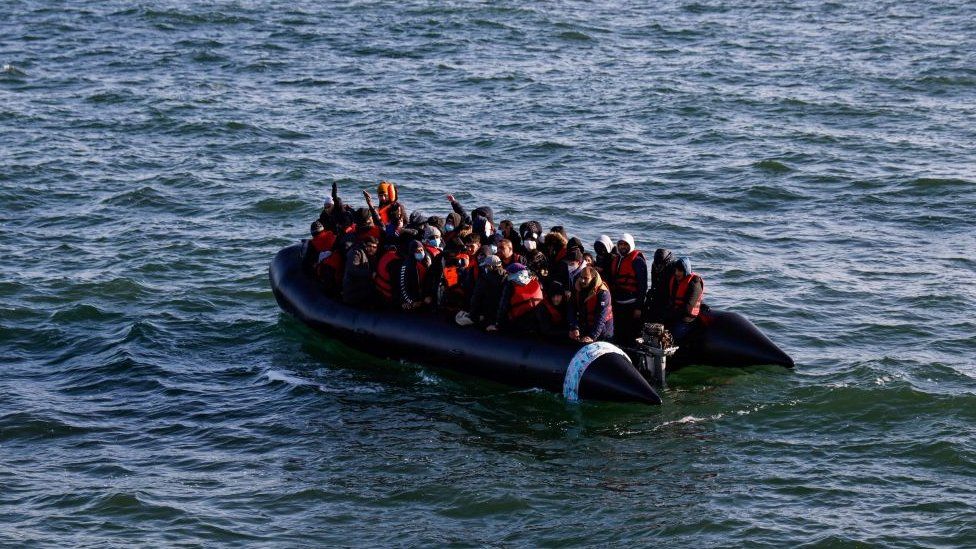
(656, 304)
(487, 295)
(597, 327)
(357, 282)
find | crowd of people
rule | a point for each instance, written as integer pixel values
(497, 278)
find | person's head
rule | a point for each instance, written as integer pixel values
(490, 262)
(452, 222)
(626, 244)
(472, 243)
(417, 250)
(417, 219)
(556, 292)
(519, 274)
(588, 259)
(662, 258)
(329, 203)
(363, 219)
(317, 228)
(432, 236)
(603, 245)
(506, 227)
(371, 245)
(505, 248)
(682, 267)
(587, 280)
(386, 192)
(574, 258)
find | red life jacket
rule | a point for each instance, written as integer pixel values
(434, 251)
(383, 283)
(337, 263)
(555, 315)
(373, 231)
(524, 299)
(680, 291)
(323, 241)
(623, 275)
(589, 308)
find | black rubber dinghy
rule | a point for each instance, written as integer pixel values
(598, 371)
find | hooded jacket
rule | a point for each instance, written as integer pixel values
(657, 296)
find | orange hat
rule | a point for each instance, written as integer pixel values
(388, 189)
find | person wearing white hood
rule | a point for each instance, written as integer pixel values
(628, 286)
(605, 254)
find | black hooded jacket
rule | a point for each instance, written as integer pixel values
(662, 268)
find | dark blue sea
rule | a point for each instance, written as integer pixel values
(815, 159)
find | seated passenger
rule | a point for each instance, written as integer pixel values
(487, 291)
(507, 230)
(554, 313)
(554, 246)
(472, 244)
(605, 251)
(628, 285)
(321, 242)
(520, 303)
(590, 309)
(452, 294)
(415, 287)
(358, 288)
(656, 303)
(453, 227)
(685, 297)
(507, 253)
(536, 260)
(432, 240)
(390, 207)
(388, 274)
(568, 270)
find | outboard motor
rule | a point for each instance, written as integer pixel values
(653, 349)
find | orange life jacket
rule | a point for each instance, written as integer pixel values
(324, 241)
(384, 212)
(681, 292)
(622, 273)
(524, 299)
(383, 282)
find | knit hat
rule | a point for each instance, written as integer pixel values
(362, 216)
(431, 232)
(490, 261)
(514, 267)
(329, 201)
(317, 227)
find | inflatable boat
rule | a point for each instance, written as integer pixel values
(596, 371)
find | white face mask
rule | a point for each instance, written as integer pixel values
(529, 245)
(419, 256)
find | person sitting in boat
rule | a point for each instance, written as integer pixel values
(417, 221)
(628, 286)
(506, 229)
(520, 302)
(358, 288)
(554, 246)
(554, 313)
(388, 270)
(568, 270)
(487, 291)
(454, 228)
(656, 302)
(506, 253)
(390, 207)
(481, 219)
(472, 244)
(324, 260)
(390, 225)
(685, 296)
(605, 252)
(432, 240)
(536, 260)
(321, 242)
(334, 213)
(452, 294)
(416, 289)
(590, 309)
